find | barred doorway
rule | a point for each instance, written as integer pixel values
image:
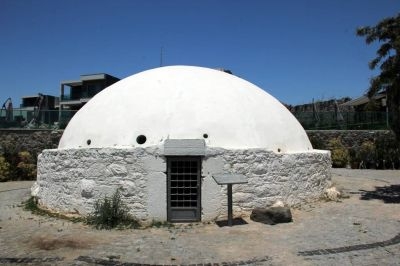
(183, 189)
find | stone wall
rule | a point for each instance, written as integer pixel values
(349, 138)
(292, 178)
(33, 141)
(71, 180)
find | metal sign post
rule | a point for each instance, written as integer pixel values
(229, 179)
(229, 204)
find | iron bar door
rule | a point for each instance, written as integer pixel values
(183, 189)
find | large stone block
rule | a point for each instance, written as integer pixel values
(273, 215)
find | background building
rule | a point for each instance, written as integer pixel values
(76, 93)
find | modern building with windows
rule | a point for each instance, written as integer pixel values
(39, 108)
(370, 112)
(76, 93)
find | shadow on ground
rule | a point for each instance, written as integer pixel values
(235, 221)
(388, 194)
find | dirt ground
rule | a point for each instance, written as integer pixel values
(361, 229)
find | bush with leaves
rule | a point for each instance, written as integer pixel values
(367, 154)
(317, 142)
(26, 167)
(387, 153)
(354, 158)
(339, 153)
(4, 169)
(17, 165)
(111, 212)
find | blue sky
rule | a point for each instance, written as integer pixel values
(295, 50)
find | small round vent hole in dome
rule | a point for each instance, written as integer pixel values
(141, 139)
(88, 142)
(205, 135)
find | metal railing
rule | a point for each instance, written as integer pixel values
(75, 97)
(343, 120)
(309, 120)
(45, 119)
(67, 97)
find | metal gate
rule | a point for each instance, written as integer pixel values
(184, 189)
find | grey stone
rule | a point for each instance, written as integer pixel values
(67, 178)
(273, 215)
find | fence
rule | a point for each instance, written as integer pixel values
(343, 120)
(45, 119)
(309, 120)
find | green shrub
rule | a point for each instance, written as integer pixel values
(387, 152)
(4, 169)
(111, 212)
(26, 167)
(31, 205)
(339, 153)
(16, 164)
(354, 158)
(367, 154)
(317, 143)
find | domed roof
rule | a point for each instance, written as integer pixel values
(185, 102)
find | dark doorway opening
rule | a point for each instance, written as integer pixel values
(184, 189)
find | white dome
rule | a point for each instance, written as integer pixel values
(185, 102)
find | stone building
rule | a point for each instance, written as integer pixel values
(161, 135)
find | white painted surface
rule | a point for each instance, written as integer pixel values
(184, 102)
(157, 196)
(71, 180)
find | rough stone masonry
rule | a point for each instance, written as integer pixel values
(71, 180)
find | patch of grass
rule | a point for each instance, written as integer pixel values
(159, 224)
(32, 205)
(111, 212)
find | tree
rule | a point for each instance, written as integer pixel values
(387, 33)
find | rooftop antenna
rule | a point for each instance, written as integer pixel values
(161, 56)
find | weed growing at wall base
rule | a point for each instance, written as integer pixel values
(158, 224)
(111, 212)
(32, 205)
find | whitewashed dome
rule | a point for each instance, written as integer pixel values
(185, 102)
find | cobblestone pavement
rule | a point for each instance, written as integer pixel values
(363, 229)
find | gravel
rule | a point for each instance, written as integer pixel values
(361, 229)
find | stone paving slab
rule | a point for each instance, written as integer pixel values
(363, 229)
